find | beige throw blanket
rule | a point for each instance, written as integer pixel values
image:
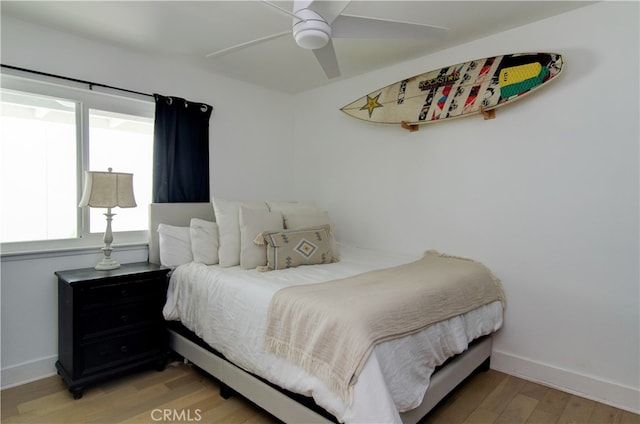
(329, 329)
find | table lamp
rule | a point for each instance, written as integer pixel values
(108, 190)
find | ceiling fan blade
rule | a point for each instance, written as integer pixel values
(351, 26)
(329, 10)
(280, 9)
(247, 44)
(327, 58)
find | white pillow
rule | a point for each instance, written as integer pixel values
(175, 245)
(300, 220)
(227, 218)
(204, 241)
(292, 207)
(252, 223)
(303, 220)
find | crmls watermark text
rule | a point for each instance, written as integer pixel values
(176, 415)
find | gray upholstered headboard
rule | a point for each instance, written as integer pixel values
(179, 214)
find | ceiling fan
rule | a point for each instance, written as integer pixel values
(316, 22)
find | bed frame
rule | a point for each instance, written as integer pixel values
(279, 403)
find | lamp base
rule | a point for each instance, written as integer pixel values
(106, 264)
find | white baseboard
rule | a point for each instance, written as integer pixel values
(27, 372)
(614, 394)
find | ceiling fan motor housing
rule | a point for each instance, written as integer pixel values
(311, 31)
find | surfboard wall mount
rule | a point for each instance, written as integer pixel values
(409, 127)
(486, 114)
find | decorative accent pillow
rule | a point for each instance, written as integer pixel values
(310, 219)
(204, 241)
(252, 223)
(291, 248)
(227, 217)
(175, 245)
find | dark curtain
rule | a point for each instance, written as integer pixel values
(181, 151)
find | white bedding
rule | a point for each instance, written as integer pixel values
(227, 308)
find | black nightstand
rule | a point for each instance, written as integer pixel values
(110, 322)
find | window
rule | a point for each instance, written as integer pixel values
(38, 151)
(49, 135)
(124, 143)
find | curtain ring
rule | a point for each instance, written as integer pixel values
(169, 100)
(203, 108)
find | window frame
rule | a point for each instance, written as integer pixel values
(87, 98)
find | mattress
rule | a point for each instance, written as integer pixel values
(227, 308)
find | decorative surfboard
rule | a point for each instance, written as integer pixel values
(477, 86)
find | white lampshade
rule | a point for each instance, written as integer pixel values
(108, 190)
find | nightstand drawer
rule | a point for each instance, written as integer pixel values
(99, 321)
(109, 294)
(111, 352)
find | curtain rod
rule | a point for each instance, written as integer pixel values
(89, 83)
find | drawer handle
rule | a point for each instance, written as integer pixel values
(123, 349)
(124, 318)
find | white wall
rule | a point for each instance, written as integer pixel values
(240, 169)
(546, 194)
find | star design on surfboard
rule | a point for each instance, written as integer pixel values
(372, 103)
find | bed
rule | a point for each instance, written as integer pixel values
(382, 392)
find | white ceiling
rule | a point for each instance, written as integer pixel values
(188, 30)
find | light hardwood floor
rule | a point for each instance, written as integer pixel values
(188, 395)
